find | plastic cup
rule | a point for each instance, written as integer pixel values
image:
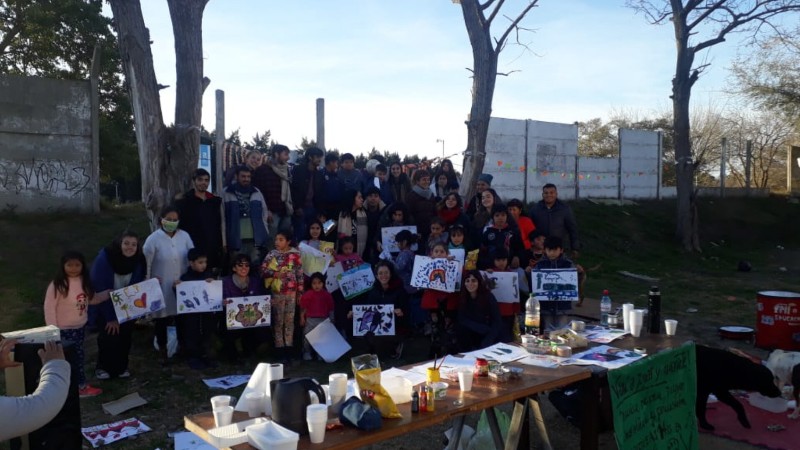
(337, 386)
(316, 430)
(223, 415)
(637, 319)
(255, 403)
(670, 325)
(465, 380)
(317, 412)
(220, 401)
(626, 316)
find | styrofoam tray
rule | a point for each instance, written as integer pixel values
(233, 434)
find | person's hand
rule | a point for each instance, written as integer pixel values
(489, 271)
(112, 328)
(52, 350)
(575, 254)
(515, 262)
(302, 321)
(349, 314)
(176, 283)
(398, 312)
(209, 280)
(269, 217)
(6, 345)
(379, 246)
(528, 269)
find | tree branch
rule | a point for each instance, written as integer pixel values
(708, 11)
(505, 74)
(486, 5)
(501, 41)
(494, 12)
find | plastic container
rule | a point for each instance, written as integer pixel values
(398, 388)
(271, 436)
(774, 405)
(233, 434)
(439, 390)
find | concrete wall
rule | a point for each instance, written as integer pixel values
(793, 171)
(639, 154)
(48, 152)
(598, 177)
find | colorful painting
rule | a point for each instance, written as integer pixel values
(388, 234)
(377, 320)
(106, 434)
(248, 312)
(555, 284)
(326, 247)
(356, 281)
(137, 300)
(440, 273)
(314, 260)
(472, 260)
(199, 296)
(505, 286)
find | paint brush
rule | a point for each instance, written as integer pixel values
(441, 362)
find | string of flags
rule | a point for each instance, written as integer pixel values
(572, 175)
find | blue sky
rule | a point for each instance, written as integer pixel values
(393, 72)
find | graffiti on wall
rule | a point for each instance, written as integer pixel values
(44, 176)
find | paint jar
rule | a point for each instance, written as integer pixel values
(481, 367)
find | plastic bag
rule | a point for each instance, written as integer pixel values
(483, 434)
(172, 342)
(367, 372)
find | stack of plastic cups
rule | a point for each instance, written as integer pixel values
(337, 388)
(317, 419)
(637, 319)
(255, 403)
(223, 412)
(626, 316)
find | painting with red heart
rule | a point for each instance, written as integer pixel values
(137, 300)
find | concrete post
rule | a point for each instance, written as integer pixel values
(94, 83)
(748, 160)
(321, 123)
(220, 141)
(722, 157)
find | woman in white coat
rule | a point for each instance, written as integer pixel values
(166, 251)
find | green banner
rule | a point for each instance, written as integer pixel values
(653, 401)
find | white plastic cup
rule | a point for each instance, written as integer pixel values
(223, 415)
(316, 430)
(637, 319)
(465, 380)
(255, 403)
(317, 412)
(220, 401)
(337, 386)
(670, 325)
(626, 316)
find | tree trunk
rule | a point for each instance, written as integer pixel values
(687, 224)
(187, 28)
(151, 137)
(484, 63)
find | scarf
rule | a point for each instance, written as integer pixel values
(424, 193)
(450, 216)
(282, 171)
(121, 264)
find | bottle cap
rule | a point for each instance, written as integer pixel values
(605, 291)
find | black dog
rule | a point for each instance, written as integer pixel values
(719, 371)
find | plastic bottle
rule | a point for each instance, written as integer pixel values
(654, 310)
(431, 399)
(423, 399)
(533, 316)
(414, 401)
(605, 308)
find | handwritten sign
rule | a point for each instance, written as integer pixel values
(248, 312)
(375, 319)
(506, 286)
(314, 260)
(653, 401)
(356, 281)
(136, 300)
(555, 284)
(388, 237)
(199, 296)
(436, 273)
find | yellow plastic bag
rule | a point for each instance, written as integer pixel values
(367, 371)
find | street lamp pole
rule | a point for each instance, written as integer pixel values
(442, 141)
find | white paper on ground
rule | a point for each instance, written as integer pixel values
(186, 440)
(327, 341)
(123, 404)
(227, 382)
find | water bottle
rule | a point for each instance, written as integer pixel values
(605, 308)
(533, 316)
(654, 309)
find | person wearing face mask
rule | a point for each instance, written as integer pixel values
(166, 252)
(118, 265)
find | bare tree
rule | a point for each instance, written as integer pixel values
(166, 157)
(485, 50)
(770, 135)
(699, 25)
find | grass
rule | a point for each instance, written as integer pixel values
(636, 238)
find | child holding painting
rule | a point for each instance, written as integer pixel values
(316, 305)
(349, 259)
(282, 270)
(441, 307)
(198, 328)
(65, 306)
(404, 265)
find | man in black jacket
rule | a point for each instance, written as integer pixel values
(306, 188)
(202, 217)
(554, 218)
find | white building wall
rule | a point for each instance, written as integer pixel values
(639, 152)
(598, 177)
(505, 157)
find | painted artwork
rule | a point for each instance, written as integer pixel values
(505, 286)
(375, 319)
(326, 247)
(472, 260)
(331, 280)
(356, 281)
(137, 300)
(555, 284)
(248, 312)
(227, 382)
(199, 296)
(388, 234)
(106, 434)
(436, 273)
(314, 260)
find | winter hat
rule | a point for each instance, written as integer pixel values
(486, 178)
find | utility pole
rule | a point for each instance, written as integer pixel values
(442, 141)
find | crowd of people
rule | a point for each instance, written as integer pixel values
(249, 237)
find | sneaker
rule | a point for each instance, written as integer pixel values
(89, 391)
(101, 374)
(125, 374)
(307, 356)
